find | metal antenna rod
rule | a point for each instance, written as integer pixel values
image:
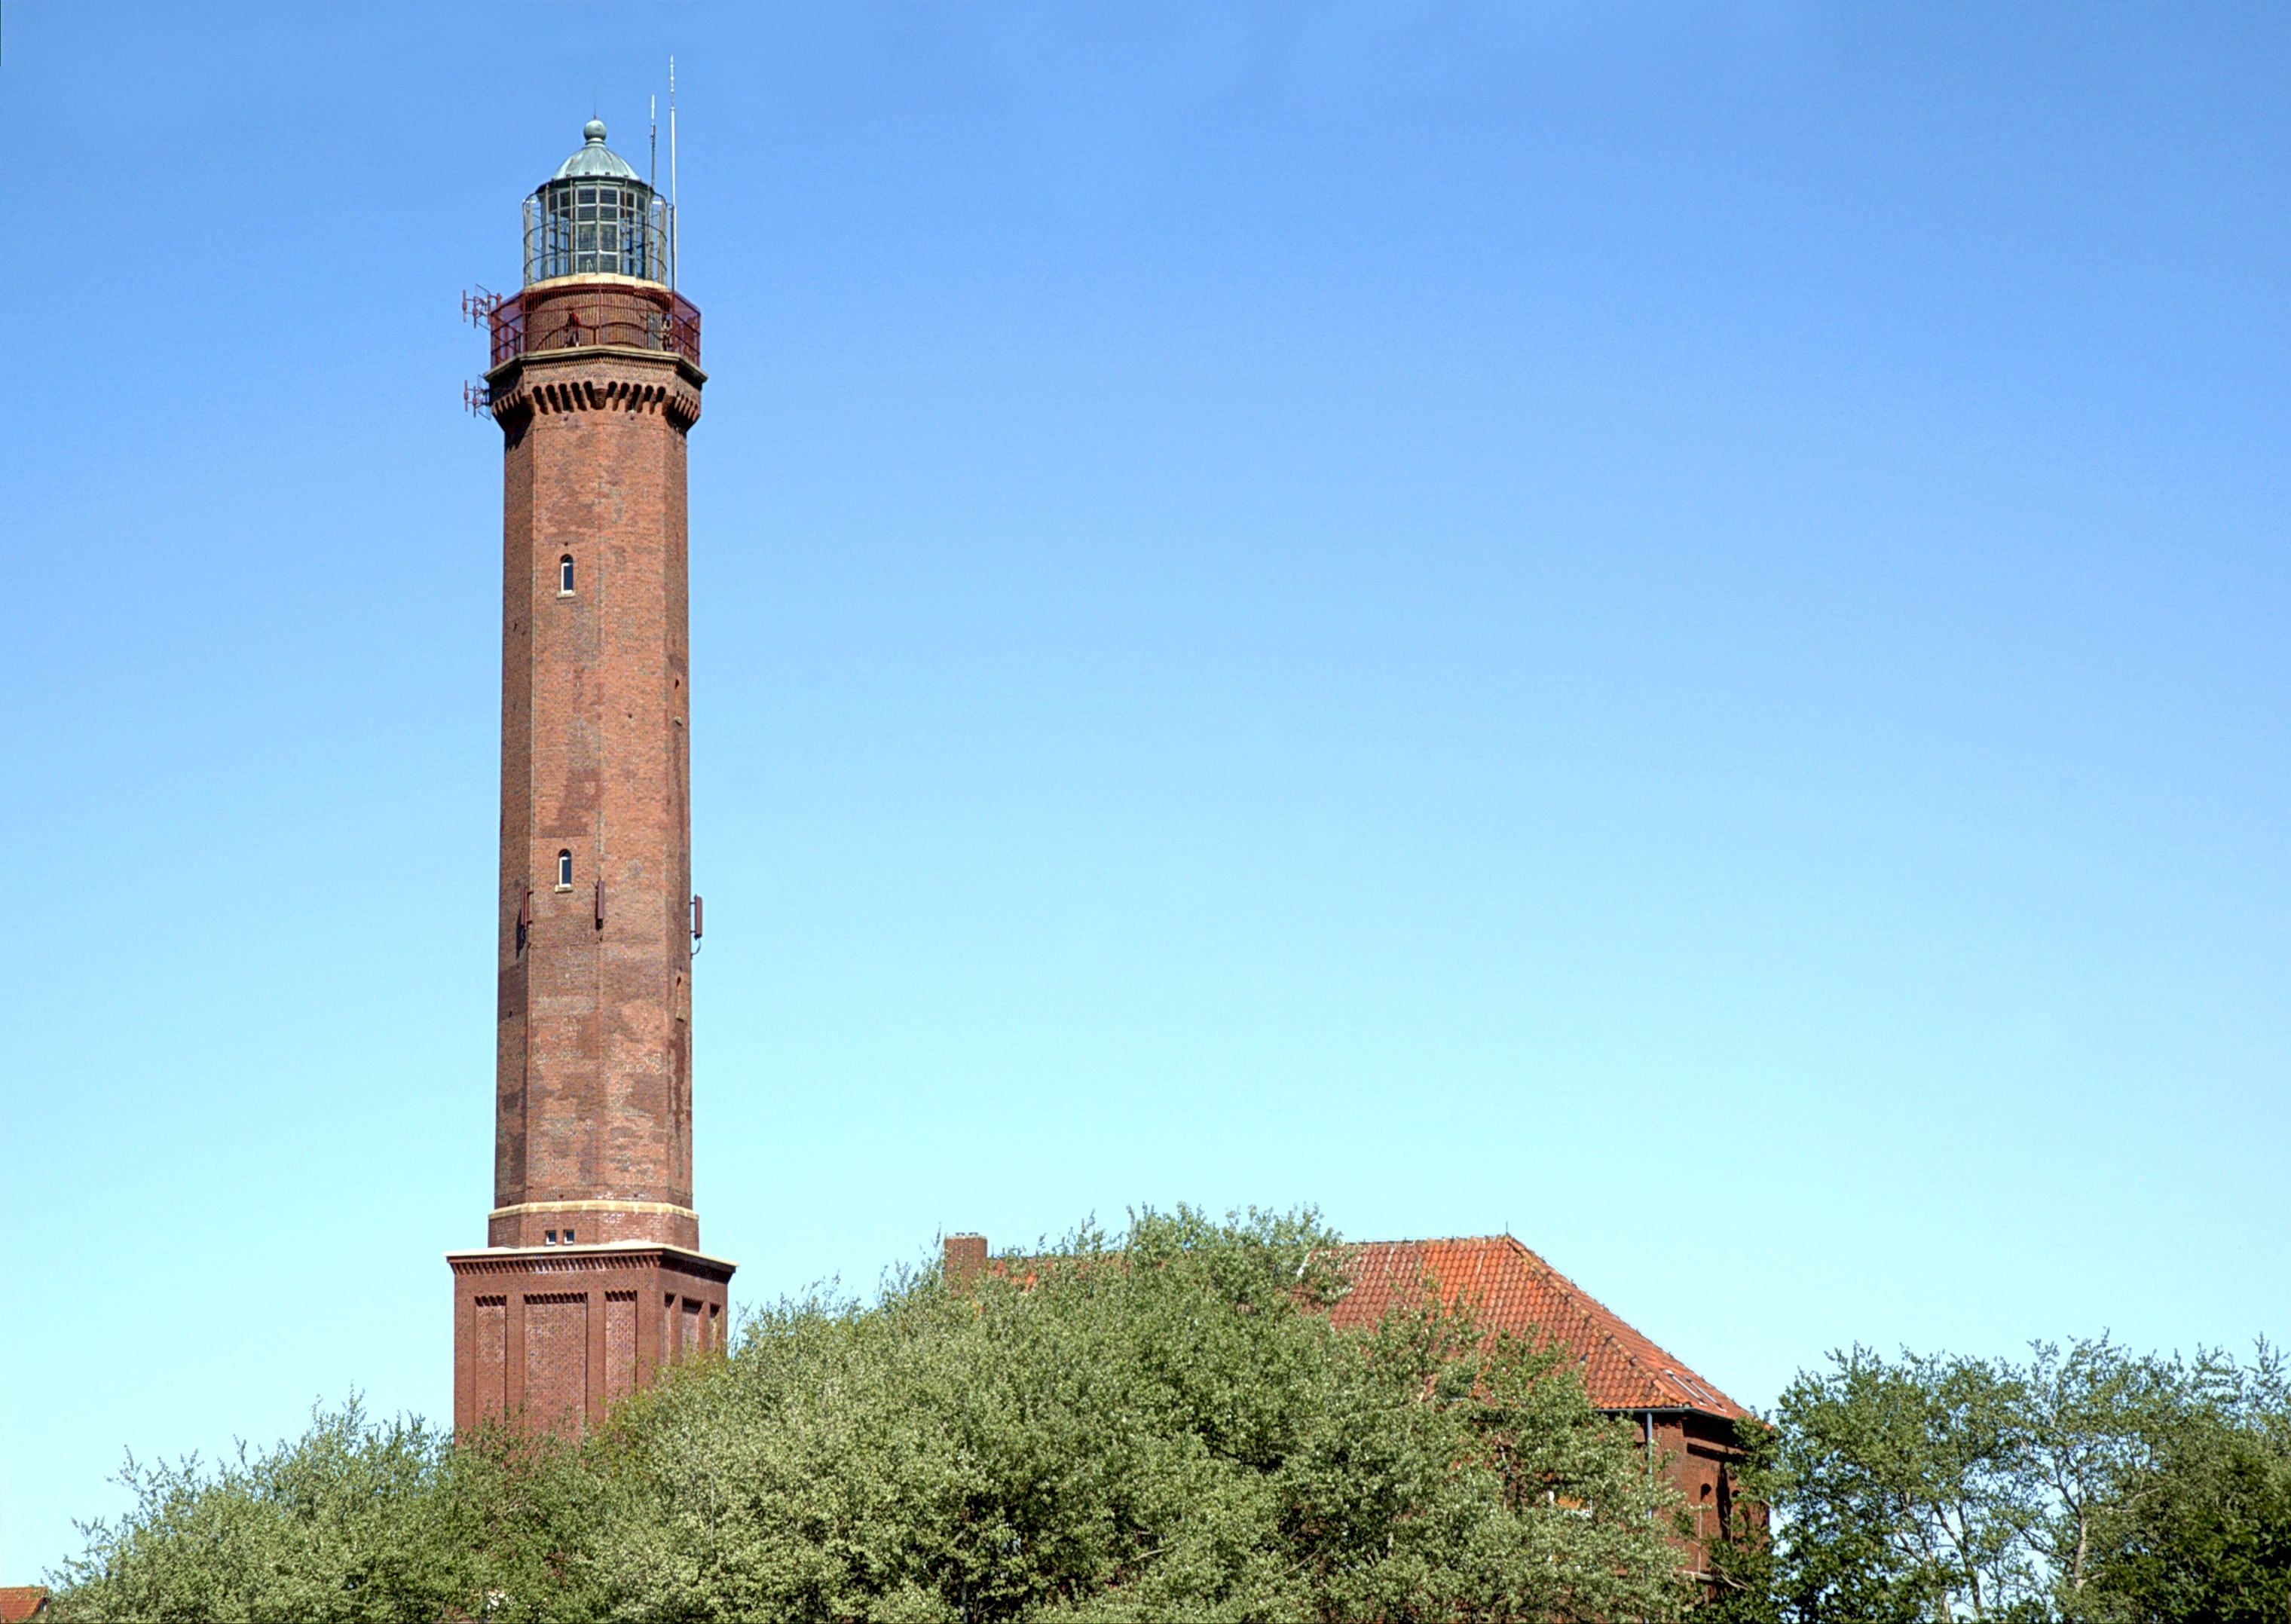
(671, 174)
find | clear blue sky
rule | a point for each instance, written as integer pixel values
(1660, 626)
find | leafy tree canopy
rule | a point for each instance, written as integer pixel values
(2087, 1484)
(1160, 1426)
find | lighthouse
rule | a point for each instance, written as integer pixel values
(592, 1280)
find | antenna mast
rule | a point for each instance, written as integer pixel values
(671, 173)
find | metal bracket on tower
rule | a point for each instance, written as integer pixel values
(478, 304)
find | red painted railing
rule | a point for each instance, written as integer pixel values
(671, 325)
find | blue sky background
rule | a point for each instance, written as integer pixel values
(1661, 625)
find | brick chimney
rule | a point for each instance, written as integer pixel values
(966, 1255)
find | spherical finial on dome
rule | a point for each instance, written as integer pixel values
(594, 130)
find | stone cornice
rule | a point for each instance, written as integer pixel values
(608, 1258)
(648, 1209)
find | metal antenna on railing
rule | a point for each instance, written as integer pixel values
(671, 173)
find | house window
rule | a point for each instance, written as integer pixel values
(568, 1237)
(564, 870)
(548, 1238)
(565, 576)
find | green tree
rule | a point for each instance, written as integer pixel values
(2096, 1416)
(2091, 1485)
(341, 1526)
(1904, 1493)
(2198, 1529)
(1164, 1426)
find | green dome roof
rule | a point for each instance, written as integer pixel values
(596, 161)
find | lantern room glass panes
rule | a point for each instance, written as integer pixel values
(588, 228)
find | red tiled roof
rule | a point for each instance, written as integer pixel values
(1512, 1289)
(20, 1601)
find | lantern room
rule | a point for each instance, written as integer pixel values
(595, 216)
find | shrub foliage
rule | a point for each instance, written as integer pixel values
(1161, 1426)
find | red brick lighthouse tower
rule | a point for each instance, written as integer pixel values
(592, 1278)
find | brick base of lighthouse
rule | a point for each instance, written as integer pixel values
(553, 1336)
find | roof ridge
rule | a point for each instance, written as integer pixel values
(1686, 1383)
(1605, 1319)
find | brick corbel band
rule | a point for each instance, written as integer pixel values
(582, 380)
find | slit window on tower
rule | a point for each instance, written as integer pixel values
(565, 576)
(564, 870)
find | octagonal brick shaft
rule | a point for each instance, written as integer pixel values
(593, 1134)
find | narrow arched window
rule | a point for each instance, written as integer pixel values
(565, 576)
(564, 870)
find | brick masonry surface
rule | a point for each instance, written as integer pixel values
(554, 1335)
(594, 1278)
